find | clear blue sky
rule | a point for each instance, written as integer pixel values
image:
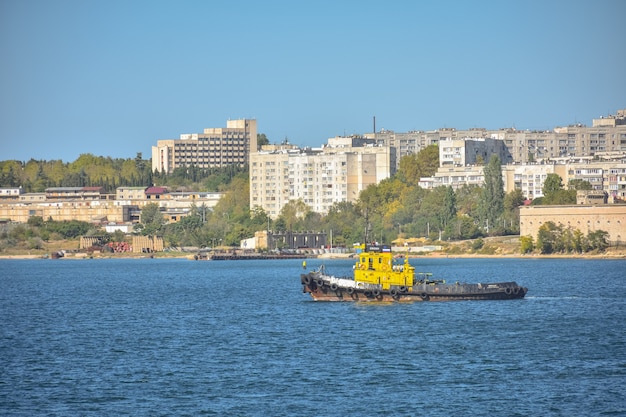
(112, 77)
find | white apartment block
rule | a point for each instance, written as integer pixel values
(606, 176)
(455, 177)
(216, 147)
(319, 177)
(529, 178)
(12, 193)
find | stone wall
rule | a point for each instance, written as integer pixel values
(586, 218)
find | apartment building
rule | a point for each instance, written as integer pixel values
(605, 139)
(529, 178)
(470, 151)
(407, 143)
(319, 177)
(455, 177)
(215, 147)
(606, 176)
(11, 193)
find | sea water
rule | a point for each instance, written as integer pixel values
(158, 337)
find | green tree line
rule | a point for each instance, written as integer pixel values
(98, 171)
(553, 238)
(86, 171)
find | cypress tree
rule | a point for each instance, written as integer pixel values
(491, 204)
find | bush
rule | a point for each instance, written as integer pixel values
(68, 229)
(527, 244)
(456, 250)
(34, 243)
(35, 221)
(487, 250)
(477, 244)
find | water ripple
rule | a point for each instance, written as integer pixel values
(176, 337)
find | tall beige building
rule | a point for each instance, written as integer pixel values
(319, 177)
(216, 147)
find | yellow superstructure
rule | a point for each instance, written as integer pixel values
(375, 266)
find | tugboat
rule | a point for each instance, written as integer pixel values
(378, 278)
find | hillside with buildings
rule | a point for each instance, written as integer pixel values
(348, 187)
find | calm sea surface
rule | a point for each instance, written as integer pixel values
(156, 337)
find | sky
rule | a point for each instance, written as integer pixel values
(112, 77)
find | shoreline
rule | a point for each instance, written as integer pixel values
(431, 255)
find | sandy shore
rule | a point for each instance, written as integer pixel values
(21, 256)
(179, 255)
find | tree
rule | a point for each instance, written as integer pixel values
(448, 208)
(553, 192)
(491, 204)
(580, 244)
(261, 140)
(578, 184)
(512, 203)
(552, 184)
(433, 215)
(513, 200)
(422, 164)
(36, 221)
(293, 213)
(527, 244)
(467, 199)
(346, 222)
(547, 238)
(152, 220)
(598, 240)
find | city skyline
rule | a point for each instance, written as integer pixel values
(111, 78)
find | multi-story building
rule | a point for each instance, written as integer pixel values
(470, 151)
(529, 178)
(75, 193)
(606, 176)
(319, 177)
(605, 139)
(13, 193)
(216, 147)
(130, 193)
(406, 143)
(454, 177)
(88, 204)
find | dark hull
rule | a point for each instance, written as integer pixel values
(321, 289)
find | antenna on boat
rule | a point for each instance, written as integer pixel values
(367, 226)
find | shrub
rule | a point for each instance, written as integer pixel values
(477, 244)
(527, 244)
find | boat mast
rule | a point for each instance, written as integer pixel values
(367, 227)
